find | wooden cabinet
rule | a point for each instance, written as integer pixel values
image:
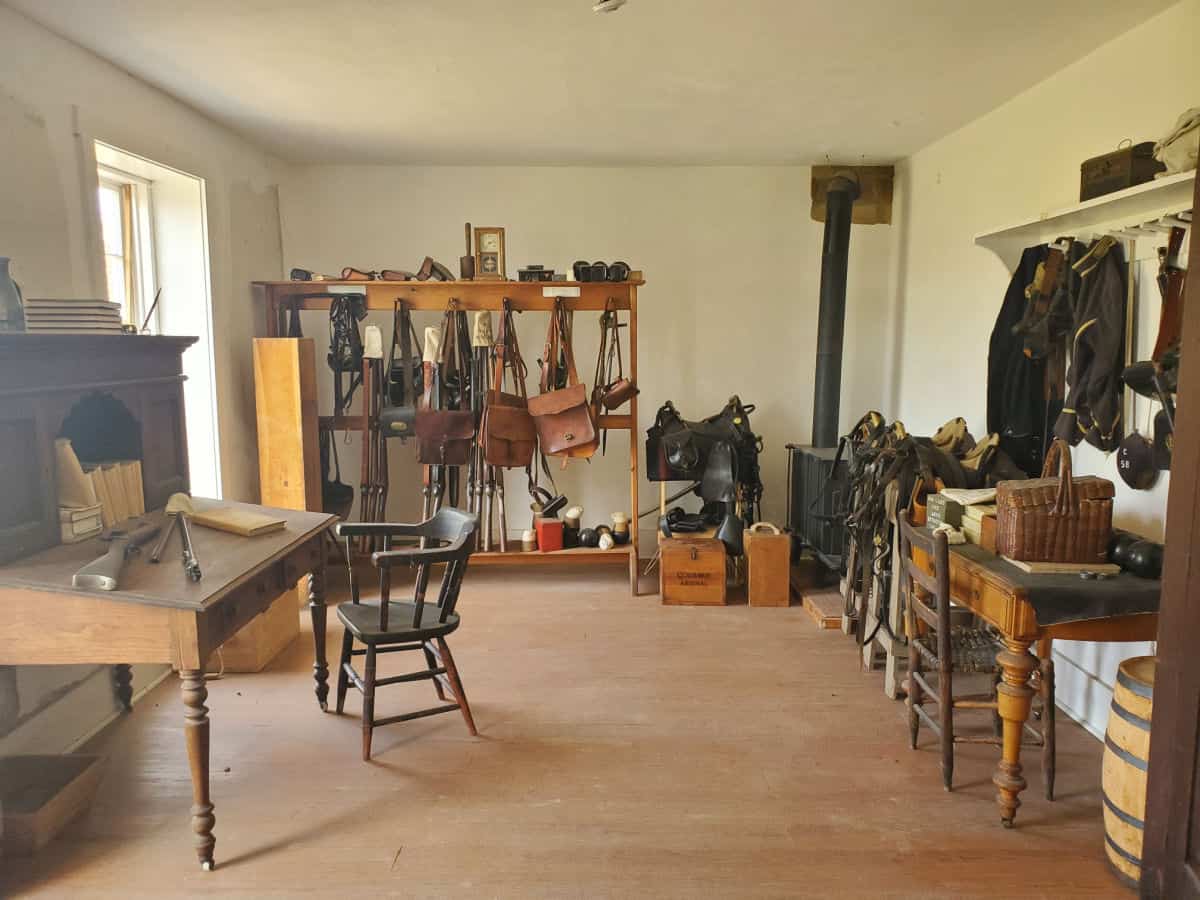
(28, 515)
(44, 380)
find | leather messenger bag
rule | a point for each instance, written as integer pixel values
(508, 435)
(445, 436)
(563, 416)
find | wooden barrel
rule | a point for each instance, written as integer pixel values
(1123, 779)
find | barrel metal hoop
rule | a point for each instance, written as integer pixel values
(1135, 721)
(1124, 854)
(1142, 690)
(1121, 814)
(1125, 755)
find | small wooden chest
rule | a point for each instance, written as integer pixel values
(692, 572)
(768, 564)
(1118, 170)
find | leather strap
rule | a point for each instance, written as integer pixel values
(558, 342)
(508, 356)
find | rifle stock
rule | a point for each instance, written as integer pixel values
(104, 574)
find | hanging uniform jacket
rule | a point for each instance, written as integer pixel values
(1092, 410)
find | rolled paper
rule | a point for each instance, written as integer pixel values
(75, 489)
(481, 331)
(372, 342)
(433, 345)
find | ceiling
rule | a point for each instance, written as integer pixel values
(550, 82)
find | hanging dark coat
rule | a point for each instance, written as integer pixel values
(1016, 398)
(1092, 411)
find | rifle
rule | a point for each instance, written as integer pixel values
(104, 574)
(1171, 282)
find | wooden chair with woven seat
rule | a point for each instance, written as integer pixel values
(385, 625)
(925, 588)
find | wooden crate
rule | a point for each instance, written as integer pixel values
(692, 572)
(768, 568)
(42, 795)
(265, 636)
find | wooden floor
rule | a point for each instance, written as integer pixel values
(626, 750)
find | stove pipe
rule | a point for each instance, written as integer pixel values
(842, 191)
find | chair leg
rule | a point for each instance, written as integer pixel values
(946, 716)
(368, 706)
(914, 669)
(343, 680)
(1048, 749)
(431, 661)
(456, 686)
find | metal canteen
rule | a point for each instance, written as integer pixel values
(1135, 462)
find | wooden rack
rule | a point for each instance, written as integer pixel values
(432, 296)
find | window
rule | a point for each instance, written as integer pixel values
(126, 233)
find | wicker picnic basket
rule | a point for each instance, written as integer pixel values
(1055, 518)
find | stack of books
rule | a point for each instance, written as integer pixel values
(59, 316)
(119, 489)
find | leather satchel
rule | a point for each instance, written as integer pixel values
(508, 435)
(610, 388)
(564, 418)
(445, 436)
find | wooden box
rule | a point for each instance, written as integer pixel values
(1118, 170)
(768, 567)
(692, 572)
(42, 795)
(266, 635)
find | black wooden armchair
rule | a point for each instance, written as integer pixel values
(384, 625)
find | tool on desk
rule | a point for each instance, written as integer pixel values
(178, 510)
(104, 574)
(191, 564)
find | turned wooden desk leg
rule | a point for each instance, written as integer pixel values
(1014, 697)
(316, 608)
(123, 682)
(195, 722)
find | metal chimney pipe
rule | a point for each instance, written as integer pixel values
(841, 193)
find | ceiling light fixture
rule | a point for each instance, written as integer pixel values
(607, 6)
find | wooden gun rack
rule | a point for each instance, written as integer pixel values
(279, 297)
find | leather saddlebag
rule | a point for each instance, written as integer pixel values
(564, 422)
(1055, 518)
(444, 436)
(507, 433)
(564, 417)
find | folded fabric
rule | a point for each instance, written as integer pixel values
(246, 522)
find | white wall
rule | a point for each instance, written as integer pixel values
(731, 258)
(1019, 160)
(55, 99)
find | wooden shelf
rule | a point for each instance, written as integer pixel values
(574, 556)
(471, 295)
(530, 296)
(1135, 204)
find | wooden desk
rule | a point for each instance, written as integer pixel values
(1001, 598)
(159, 616)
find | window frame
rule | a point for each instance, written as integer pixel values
(137, 239)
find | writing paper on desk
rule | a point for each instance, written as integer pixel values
(246, 522)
